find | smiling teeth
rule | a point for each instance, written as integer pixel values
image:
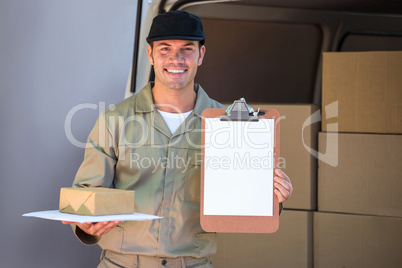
(176, 71)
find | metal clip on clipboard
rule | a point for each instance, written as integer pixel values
(240, 111)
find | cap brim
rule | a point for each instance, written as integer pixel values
(176, 37)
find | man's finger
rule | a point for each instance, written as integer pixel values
(279, 196)
(283, 183)
(283, 188)
(95, 228)
(285, 191)
(281, 174)
(102, 228)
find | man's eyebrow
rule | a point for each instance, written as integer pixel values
(189, 44)
(163, 44)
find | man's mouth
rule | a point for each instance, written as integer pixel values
(175, 71)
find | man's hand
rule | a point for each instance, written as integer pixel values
(283, 186)
(95, 228)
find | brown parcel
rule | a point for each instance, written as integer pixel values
(96, 201)
(368, 88)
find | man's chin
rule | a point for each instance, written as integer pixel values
(177, 86)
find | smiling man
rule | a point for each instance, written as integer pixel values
(159, 128)
(175, 64)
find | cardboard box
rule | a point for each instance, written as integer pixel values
(96, 201)
(368, 88)
(290, 246)
(299, 134)
(342, 240)
(368, 177)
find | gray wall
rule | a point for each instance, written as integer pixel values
(54, 55)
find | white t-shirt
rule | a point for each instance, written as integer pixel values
(174, 120)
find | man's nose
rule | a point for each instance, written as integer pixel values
(176, 56)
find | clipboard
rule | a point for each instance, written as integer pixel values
(238, 115)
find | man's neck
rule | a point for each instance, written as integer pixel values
(174, 100)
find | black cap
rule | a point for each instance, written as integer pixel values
(176, 25)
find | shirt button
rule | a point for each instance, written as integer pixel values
(164, 262)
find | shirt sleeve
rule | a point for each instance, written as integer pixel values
(97, 168)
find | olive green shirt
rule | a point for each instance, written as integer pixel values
(131, 147)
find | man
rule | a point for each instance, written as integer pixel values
(150, 143)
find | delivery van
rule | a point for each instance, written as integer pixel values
(271, 51)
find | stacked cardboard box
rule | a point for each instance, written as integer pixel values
(368, 177)
(346, 240)
(291, 246)
(299, 134)
(359, 171)
(368, 89)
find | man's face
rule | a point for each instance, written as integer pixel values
(175, 62)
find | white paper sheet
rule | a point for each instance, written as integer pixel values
(58, 216)
(238, 167)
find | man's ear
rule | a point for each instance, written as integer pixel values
(149, 51)
(202, 54)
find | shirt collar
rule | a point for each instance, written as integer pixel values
(145, 103)
(203, 101)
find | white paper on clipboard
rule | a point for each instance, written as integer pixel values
(239, 167)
